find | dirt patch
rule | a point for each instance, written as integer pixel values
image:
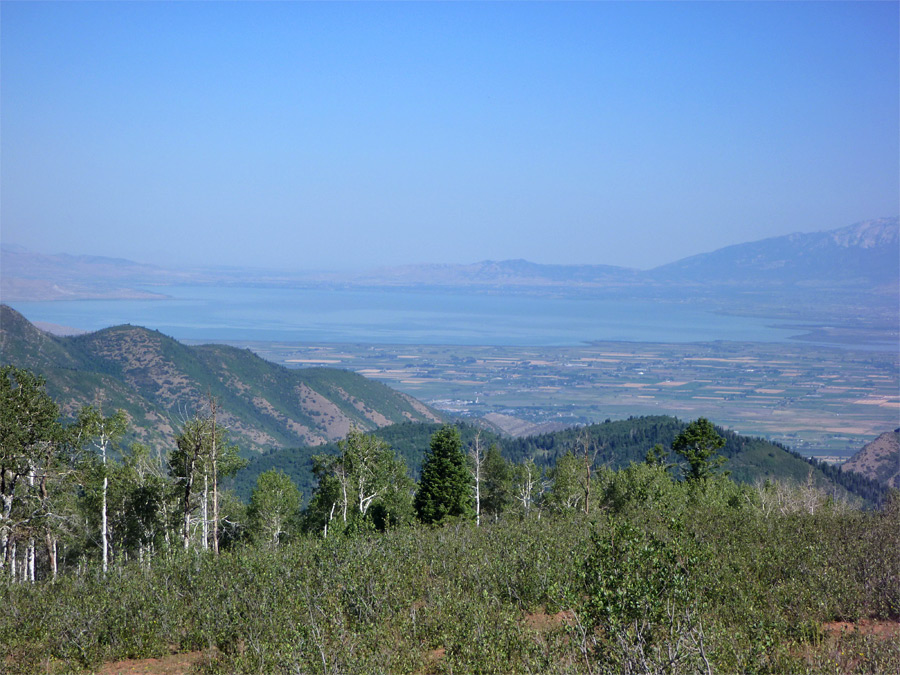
(882, 629)
(542, 621)
(330, 417)
(172, 664)
(299, 430)
(372, 415)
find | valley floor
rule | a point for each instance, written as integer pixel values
(820, 401)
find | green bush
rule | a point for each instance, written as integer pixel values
(665, 576)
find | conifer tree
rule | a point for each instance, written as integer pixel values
(699, 445)
(496, 493)
(445, 490)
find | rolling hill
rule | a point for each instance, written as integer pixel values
(620, 442)
(160, 382)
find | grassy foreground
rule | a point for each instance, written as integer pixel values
(662, 577)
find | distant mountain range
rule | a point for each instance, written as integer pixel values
(159, 382)
(503, 273)
(864, 256)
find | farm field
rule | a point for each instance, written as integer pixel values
(821, 401)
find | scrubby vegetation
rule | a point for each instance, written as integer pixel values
(659, 566)
(663, 577)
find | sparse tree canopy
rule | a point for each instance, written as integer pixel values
(30, 438)
(364, 487)
(202, 455)
(566, 483)
(104, 433)
(274, 507)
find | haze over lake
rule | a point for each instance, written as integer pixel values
(404, 317)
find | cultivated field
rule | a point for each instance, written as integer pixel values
(820, 401)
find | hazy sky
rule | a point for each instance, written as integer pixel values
(333, 135)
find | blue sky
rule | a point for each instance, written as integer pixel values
(332, 135)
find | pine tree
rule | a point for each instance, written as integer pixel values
(496, 492)
(699, 445)
(445, 490)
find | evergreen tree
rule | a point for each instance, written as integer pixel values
(699, 445)
(496, 493)
(445, 490)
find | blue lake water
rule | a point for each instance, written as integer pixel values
(403, 317)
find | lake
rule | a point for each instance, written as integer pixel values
(404, 317)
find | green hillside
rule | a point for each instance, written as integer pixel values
(620, 443)
(159, 382)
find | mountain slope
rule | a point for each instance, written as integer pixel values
(35, 276)
(878, 460)
(159, 382)
(863, 255)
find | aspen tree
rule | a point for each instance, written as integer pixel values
(104, 433)
(476, 455)
(28, 423)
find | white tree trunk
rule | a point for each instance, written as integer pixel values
(343, 478)
(477, 459)
(215, 477)
(31, 556)
(104, 517)
(104, 531)
(29, 552)
(205, 511)
(331, 515)
(187, 506)
(51, 554)
(4, 529)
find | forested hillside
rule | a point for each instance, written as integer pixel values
(616, 444)
(159, 382)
